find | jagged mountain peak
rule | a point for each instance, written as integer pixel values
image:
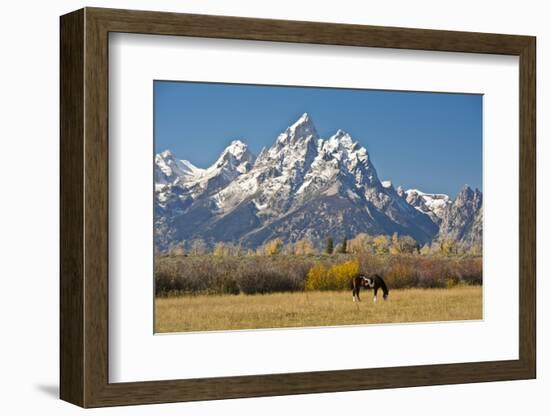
(469, 191)
(469, 196)
(463, 218)
(169, 169)
(301, 130)
(303, 185)
(340, 139)
(303, 120)
(342, 146)
(342, 135)
(179, 183)
(466, 191)
(166, 154)
(235, 156)
(236, 147)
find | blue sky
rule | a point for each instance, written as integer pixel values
(429, 141)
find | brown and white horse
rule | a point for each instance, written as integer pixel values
(374, 282)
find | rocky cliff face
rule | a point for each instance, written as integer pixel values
(463, 219)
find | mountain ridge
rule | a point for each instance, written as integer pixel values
(303, 186)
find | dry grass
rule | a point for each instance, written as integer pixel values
(306, 309)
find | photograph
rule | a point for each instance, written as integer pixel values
(229, 186)
(281, 206)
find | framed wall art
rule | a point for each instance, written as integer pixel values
(255, 207)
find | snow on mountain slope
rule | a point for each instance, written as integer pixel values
(181, 177)
(235, 160)
(168, 168)
(277, 173)
(176, 195)
(432, 204)
(303, 186)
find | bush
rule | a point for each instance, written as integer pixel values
(260, 276)
(250, 274)
(338, 277)
(470, 270)
(401, 275)
(317, 278)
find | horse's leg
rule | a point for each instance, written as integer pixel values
(358, 290)
(375, 292)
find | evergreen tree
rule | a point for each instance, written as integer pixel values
(329, 249)
(344, 246)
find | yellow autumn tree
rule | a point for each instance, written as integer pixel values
(273, 247)
(448, 247)
(425, 250)
(341, 274)
(178, 250)
(395, 247)
(338, 277)
(221, 250)
(316, 278)
(361, 243)
(381, 244)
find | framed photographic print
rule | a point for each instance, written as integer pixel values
(255, 207)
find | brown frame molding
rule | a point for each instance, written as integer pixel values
(84, 207)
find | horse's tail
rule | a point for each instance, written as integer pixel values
(383, 286)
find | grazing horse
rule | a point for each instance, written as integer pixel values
(368, 282)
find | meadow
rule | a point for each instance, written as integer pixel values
(228, 288)
(314, 308)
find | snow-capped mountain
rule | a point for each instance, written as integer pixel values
(303, 186)
(234, 160)
(169, 169)
(433, 205)
(463, 219)
(179, 182)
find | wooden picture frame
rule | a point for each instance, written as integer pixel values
(84, 207)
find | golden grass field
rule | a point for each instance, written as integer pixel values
(307, 309)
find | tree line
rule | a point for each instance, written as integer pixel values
(360, 244)
(177, 275)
